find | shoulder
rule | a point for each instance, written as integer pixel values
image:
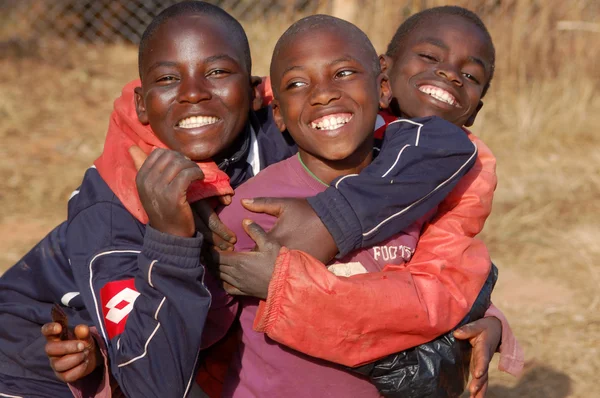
(485, 157)
(95, 211)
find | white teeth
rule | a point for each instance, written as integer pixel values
(197, 121)
(439, 94)
(330, 123)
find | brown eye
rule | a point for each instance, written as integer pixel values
(471, 77)
(166, 79)
(344, 73)
(428, 57)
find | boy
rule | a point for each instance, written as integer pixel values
(327, 86)
(465, 43)
(196, 94)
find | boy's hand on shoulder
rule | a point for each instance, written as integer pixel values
(249, 273)
(162, 182)
(298, 227)
(484, 335)
(74, 359)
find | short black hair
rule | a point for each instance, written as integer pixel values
(195, 8)
(415, 20)
(317, 21)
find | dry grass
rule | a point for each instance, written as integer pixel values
(540, 119)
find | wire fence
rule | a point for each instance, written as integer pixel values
(109, 21)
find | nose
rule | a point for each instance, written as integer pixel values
(324, 93)
(450, 73)
(193, 90)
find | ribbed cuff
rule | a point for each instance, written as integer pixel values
(336, 213)
(268, 310)
(171, 249)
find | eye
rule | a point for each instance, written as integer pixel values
(217, 72)
(471, 77)
(344, 73)
(166, 79)
(295, 84)
(428, 57)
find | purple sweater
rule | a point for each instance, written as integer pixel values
(262, 367)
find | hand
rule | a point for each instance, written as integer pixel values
(249, 273)
(484, 335)
(162, 181)
(298, 227)
(207, 221)
(71, 360)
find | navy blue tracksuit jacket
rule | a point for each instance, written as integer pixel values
(102, 261)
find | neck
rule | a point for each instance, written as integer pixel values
(327, 170)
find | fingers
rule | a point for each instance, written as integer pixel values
(478, 387)
(272, 206)
(469, 330)
(52, 331)
(255, 231)
(210, 226)
(225, 200)
(66, 347)
(82, 332)
(138, 156)
(76, 373)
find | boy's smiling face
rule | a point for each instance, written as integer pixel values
(441, 69)
(196, 91)
(327, 92)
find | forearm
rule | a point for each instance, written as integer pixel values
(368, 316)
(419, 164)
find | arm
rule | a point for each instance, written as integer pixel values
(146, 296)
(401, 307)
(420, 163)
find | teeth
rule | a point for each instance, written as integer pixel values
(197, 121)
(330, 122)
(439, 94)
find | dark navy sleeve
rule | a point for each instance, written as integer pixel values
(419, 164)
(146, 296)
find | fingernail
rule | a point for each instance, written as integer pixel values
(248, 201)
(80, 346)
(247, 222)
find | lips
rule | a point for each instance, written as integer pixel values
(331, 122)
(192, 122)
(439, 94)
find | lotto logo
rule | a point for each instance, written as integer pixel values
(117, 300)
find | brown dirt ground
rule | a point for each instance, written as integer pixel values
(543, 233)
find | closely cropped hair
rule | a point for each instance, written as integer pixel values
(317, 21)
(196, 8)
(437, 12)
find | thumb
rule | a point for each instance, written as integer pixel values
(272, 206)
(138, 156)
(255, 231)
(468, 331)
(82, 332)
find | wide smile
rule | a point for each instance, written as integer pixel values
(330, 122)
(192, 122)
(440, 95)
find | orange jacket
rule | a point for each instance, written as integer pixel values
(360, 319)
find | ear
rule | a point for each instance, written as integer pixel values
(140, 106)
(385, 90)
(471, 118)
(386, 63)
(258, 92)
(277, 117)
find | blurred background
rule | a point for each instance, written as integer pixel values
(63, 63)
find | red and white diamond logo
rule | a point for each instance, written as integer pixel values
(117, 300)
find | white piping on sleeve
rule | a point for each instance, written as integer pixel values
(100, 319)
(396, 162)
(145, 347)
(10, 396)
(343, 178)
(424, 197)
(150, 272)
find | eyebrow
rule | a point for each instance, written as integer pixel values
(159, 64)
(336, 61)
(442, 45)
(219, 57)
